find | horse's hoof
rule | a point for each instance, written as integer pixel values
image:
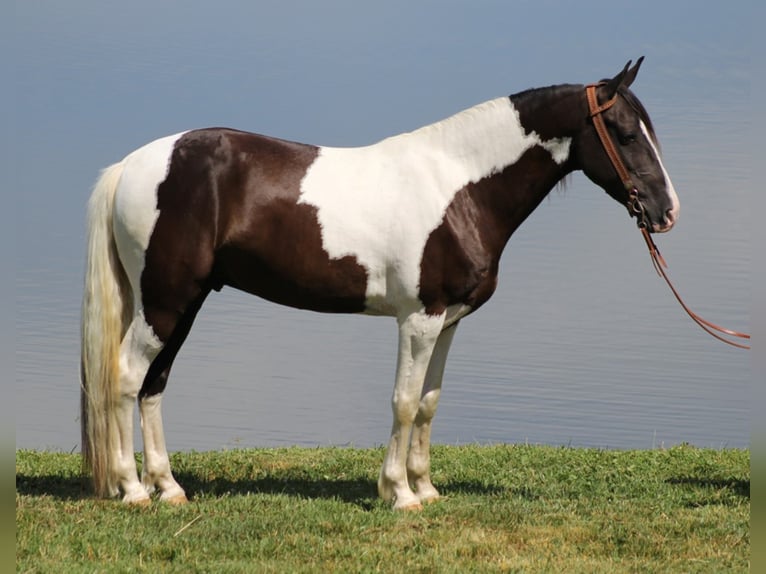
(139, 502)
(412, 507)
(177, 500)
(431, 499)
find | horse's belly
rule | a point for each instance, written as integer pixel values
(317, 284)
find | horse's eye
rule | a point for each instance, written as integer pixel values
(629, 138)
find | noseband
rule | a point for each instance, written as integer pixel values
(636, 209)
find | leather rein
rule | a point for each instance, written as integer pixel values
(636, 209)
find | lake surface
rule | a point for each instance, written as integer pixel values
(581, 345)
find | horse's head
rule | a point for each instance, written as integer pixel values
(631, 171)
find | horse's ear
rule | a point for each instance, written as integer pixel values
(625, 78)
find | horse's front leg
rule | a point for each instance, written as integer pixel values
(419, 459)
(418, 333)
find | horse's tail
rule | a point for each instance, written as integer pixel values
(106, 306)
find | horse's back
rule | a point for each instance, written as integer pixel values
(218, 207)
(327, 229)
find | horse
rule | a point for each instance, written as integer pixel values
(410, 227)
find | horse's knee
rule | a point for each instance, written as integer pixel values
(427, 406)
(405, 406)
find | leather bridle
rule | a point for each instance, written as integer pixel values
(637, 210)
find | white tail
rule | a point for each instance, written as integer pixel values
(106, 308)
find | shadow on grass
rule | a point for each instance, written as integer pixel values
(740, 487)
(360, 492)
(62, 488)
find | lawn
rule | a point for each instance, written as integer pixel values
(505, 508)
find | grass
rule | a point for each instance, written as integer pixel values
(506, 509)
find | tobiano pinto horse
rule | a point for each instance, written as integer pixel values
(410, 227)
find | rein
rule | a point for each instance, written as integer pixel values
(636, 208)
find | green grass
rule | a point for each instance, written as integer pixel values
(506, 509)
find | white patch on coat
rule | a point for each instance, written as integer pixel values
(380, 203)
(558, 148)
(135, 204)
(139, 347)
(668, 184)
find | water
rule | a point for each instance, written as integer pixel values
(582, 344)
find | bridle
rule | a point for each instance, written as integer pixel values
(634, 205)
(636, 209)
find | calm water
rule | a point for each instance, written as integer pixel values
(582, 343)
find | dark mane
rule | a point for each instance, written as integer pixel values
(555, 90)
(548, 91)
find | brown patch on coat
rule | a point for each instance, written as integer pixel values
(461, 257)
(229, 216)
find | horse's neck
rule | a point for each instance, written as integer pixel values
(487, 138)
(511, 152)
(480, 139)
(554, 111)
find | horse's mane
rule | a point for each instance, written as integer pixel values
(555, 90)
(548, 92)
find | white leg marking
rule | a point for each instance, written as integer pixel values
(419, 459)
(418, 333)
(134, 216)
(139, 347)
(156, 468)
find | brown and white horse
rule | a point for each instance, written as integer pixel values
(410, 227)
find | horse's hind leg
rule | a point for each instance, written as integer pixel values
(419, 458)
(156, 473)
(138, 349)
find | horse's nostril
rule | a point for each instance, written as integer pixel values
(670, 216)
